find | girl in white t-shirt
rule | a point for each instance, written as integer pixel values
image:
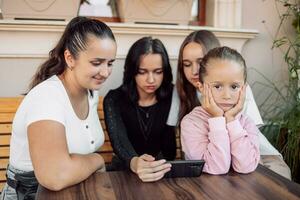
(186, 96)
(56, 128)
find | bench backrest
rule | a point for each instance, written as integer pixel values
(8, 108)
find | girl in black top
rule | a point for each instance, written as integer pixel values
(137, 111)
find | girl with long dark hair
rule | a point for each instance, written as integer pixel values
(137, 111)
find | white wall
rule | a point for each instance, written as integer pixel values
(258, 52)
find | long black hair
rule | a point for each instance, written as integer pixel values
(74, 39)
(141, 47)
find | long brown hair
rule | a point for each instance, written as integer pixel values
(74, 39)
(186, 91)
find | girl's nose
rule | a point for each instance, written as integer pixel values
(150, 78)
(104, 71)
(195, 69)
(226, 94)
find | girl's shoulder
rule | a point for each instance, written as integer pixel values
(198, 113)
(197, 118)
(50, 88)
(115, 93)
(115, 96)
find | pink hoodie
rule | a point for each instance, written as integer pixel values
(220, 144)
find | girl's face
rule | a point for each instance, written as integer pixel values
(225, 78)
(191, 57)
(94, 65)
(150, 74)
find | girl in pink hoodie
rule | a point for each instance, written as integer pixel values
(217, 131)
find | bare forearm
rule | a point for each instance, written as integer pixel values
(82, 166)
(71, 171)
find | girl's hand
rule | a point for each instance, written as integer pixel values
(102, 168)
(148, 169)
(208, 103)
(230, 114)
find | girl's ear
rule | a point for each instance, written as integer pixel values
(69, 59)
(200, 87)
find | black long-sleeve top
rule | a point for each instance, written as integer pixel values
(127, 138)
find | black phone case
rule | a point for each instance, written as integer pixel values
(185, 168)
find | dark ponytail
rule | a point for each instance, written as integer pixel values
(74, 39)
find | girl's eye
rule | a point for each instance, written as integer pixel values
(141, 72)
(96, 63)
(159, 72)
(187, 64)
(218, 87)
(110, 64)
(235, 87)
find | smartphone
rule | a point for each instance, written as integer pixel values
(185, 168)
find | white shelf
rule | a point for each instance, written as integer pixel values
(17, 36)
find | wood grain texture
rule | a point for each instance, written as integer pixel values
(3, 164)
(2, 174)
(9, 104)
(6, 117)
(2, 184)
(5, 128)
(261, 184)
(4, 152)
(5, 140)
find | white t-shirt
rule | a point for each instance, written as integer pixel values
(250, 109)
(49, 101)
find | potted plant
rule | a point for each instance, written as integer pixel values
(57, 10)
(281, 107)
(154, 11)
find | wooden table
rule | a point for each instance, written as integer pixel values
(261, 184)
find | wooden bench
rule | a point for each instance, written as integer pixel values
(8, 108)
